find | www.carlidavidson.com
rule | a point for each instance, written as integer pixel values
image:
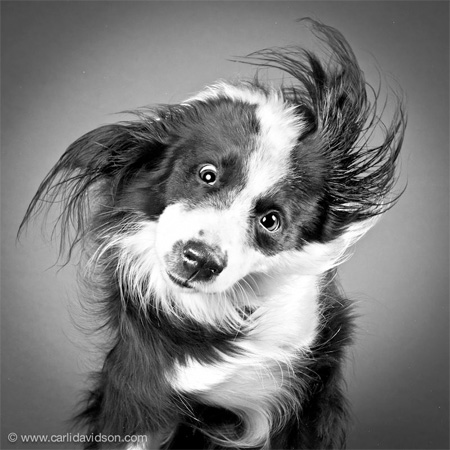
(76, 438)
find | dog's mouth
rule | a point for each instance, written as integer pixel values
(179, 281)
(190, 284)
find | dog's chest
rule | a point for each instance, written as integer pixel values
(283, 329)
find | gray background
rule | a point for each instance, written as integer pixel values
(66, 66)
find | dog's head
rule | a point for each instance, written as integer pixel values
(233, 195)
(198, 200)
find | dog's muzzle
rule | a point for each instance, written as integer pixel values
(194, 261)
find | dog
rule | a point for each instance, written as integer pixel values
(211, 231)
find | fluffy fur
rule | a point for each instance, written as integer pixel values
(212, 230)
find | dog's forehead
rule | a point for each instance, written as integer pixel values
(270, 161)
(267, 142)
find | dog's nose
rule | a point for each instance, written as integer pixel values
(201, 262)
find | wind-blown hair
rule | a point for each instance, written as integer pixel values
(344, 119)
(332, 96)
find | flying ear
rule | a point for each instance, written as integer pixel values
(343, 117)
(108, 154)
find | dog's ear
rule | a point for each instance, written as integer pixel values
(102, 159)
(110, 150)
(358, 142)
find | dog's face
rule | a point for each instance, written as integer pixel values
(232, 198)
(238, 190)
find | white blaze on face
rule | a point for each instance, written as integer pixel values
(229, 228)
(269, 164)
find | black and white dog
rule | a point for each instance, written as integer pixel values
(213, 229)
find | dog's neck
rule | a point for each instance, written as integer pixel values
(254, 379)
(254, 300)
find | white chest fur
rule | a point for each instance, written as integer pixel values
(254, 381)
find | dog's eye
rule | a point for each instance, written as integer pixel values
(271, 222)
(208, 174)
